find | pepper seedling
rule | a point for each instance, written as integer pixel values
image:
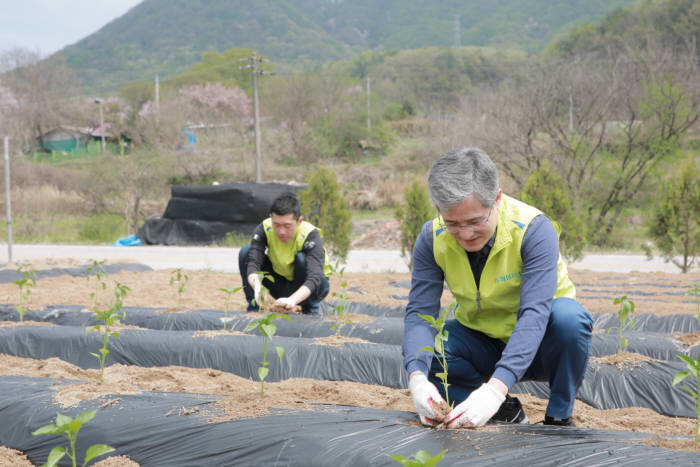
(439, 345)
(178, 279)
(422, 458)
(624, 319)
(69, 428)
(693, 370)
(227, 300)
(695, 292)
(341, 300)
(99, 273)
(25, 286)
(108, 318)
(267, 329)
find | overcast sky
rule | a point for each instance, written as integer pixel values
(49, 25)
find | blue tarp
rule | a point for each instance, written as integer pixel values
(131, 240)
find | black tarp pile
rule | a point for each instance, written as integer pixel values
(201, 215)
(152, 428)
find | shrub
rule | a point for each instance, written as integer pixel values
(416, 212)
(324, 206)
(101, 228)
(675, 221)
(546, 191)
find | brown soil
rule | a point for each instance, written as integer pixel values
(152, 289)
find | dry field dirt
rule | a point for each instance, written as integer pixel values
(202, 291)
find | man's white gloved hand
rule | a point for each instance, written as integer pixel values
(425, 397)
(480, 406)
(254, 282)
(287, 302)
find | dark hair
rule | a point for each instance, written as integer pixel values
(286, 203)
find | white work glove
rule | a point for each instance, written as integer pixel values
(478, 409)
(287, 302)
(254, 282)
(425, 396)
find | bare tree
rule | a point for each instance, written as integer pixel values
(605, 122)
(46, 94)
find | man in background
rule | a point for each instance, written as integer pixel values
(290, 251)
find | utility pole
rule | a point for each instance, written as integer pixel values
(458, 37)
(369, 121)
(253, 65)
(102, 123)
(157, 98)
(8, 207)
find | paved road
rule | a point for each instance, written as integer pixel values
(226, 259)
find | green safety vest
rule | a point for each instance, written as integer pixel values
(492, 307)
(282, 254)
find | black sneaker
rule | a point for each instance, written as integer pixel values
(558, 421)
(511, 411)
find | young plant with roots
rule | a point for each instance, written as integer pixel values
(624, 319)
(107, 318)
(439, 346)
(69, 428)
(25, 286)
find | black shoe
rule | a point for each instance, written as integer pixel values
(511, 411)
(558, 421)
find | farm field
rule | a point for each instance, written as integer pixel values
(334, 386)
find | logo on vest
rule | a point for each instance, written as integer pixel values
(507, 277)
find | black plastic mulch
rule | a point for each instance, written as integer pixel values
(153, 430)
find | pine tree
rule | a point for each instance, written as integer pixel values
(412, 216)
(323, 204)
(546, 191)
(675, 222)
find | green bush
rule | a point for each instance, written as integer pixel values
(416, 212)
(546, 191)
(323, 204)
(674, 224)
(102, 228)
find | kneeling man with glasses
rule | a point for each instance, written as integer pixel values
(516, 317)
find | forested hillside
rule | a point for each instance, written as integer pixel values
(168, 36)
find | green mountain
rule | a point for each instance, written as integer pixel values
(168, 36)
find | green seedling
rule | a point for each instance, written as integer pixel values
(693, 370)
(695, 292)
(178, 279)
(96, 271)
(25, 286)
(69, 428)
(341, 300)
(107, 318)
(420, 459)
(624, 318)
(267, 329)
(439, 347)
(227, 301)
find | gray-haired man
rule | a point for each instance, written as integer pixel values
(517, 316)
